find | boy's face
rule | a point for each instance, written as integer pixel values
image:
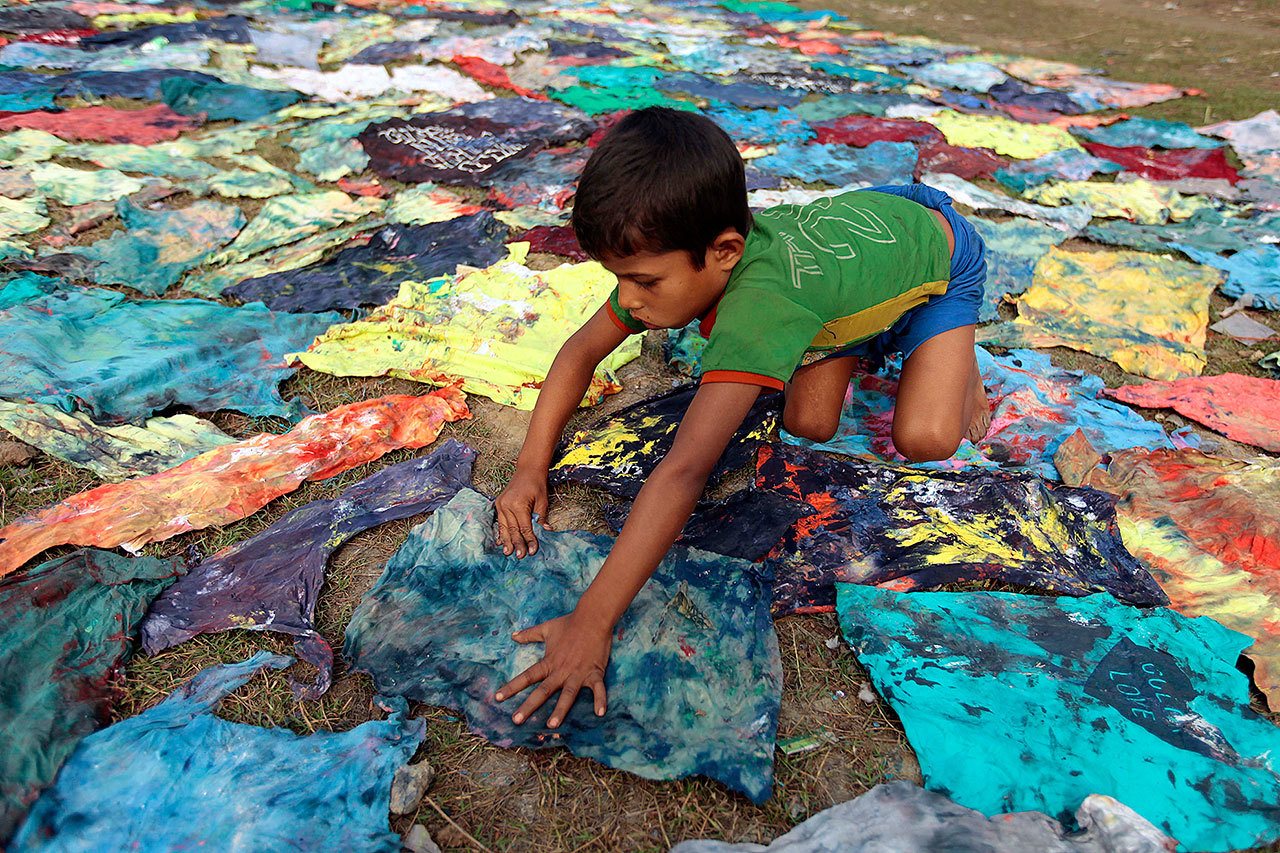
(664, 290)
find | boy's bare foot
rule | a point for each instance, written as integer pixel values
(981, 420)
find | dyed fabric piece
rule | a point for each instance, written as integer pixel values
(1014, 247)
(230, 28)
(157, 247)
(1251, 136)
(908, 529)
(24, 286)
(547, 179)
(745, 95)
(425, 204)
(372, 273)
(762, 127)
(602, 101)
(451, 149)
(229, 483)
(1068, 219)
(694, 676)
(271, 582)
(497, 330)
(212, 280)
(1169, 165)
(618, 454)
(1140, 201)
(1016, 94)
(878, 164)
(1148, 133)
(901, 816)
(1004, 136)
(327, 791)
(218, 101)
(1088, 301)
(863, 130)
(22, 216)
(1241, 327)
(1243, 408)
(141, 85)
(67, 628)
(79, 186)
(556, 240)
(21, 102)
(967, 163)
(111, 453)
(555, 123)
(1254, 271)
(121, 360)
(1064, 697)
(288, 218)
(1070, 164)
(969, 76)
(1206, 230)
(106, 124)
(1034, 408)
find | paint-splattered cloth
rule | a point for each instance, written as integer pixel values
(233, 481)
(120, 360)
(1243, 408)
(177, 777)
(1065, 697)
(1138, 201)
(1148, 314)
(900, 816)
(907, 529)
(619, 454)
(694, 677)
(1014, 247)
(271, 582)
(66, 627)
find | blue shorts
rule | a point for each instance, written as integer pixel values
(951, 310)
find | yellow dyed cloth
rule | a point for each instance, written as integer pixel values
(497, 329)
(130, 20)
(22, 216)
(1148, 314)
(1138, 201)
(1004, 136)
(426, 204)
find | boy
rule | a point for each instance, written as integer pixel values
(786, 301)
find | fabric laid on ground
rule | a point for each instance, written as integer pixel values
(427, 203)
(1243, 408)
(1014, 247)
(22, 216)
(66, 627)
(694, 676)
(1169, 165)
(451, 149)
(967, 163)
(111, 453)
(158, 246)
(1138, 201)
(218, 101)
(863, 130)
(1069, 164)
(1002, 135)
(1254, 271)
(497, 329)
(272, 581)
(1241, 327)
(325, 791)
(286, 219)
(213, 280)
(1206, 230)
(618, 454)
(1141, 132)
(371, 274)
(904, 817)
(1065, 697)
(78, 186)
(556, 240)
(1148, 314)
(231, 482)
(908, 529)
(120, 360)
(877, 164)
(106, 124)
(1068, 219)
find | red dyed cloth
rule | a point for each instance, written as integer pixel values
(231, 482)
(484, 71)
(156, 123)
(1168, 165)
(864, 130)
(968, 163)
(555, 239)
(64, 38)
(1243, 408)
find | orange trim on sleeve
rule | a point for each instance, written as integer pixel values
(617, 321)
(743, 378)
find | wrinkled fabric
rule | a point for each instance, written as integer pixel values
(1168, 165)
(863, 130)
(451, 149)
(879, 163)
(287, 218)
(1015, 94)
(763, 127)
(348, 83)
(22, 216)
(66, 629)
(426, 203)
(111, 453)
(231, 482)
(556, 240)
(547, 178)
(218, 101)
(1141, 132)
(1243, 408)
(908, 529)
(1065, 697)
(967, 163)
(1207, 230)
(1148, 314)
(106, 124)
(1254, 271)
(694, 674)
(904, 817)
(618, 454)
(325, 791)
(1139, 201)
(143, 85)
(555, 123)
(229, 28)
(79, 186)
(1252, 136)
(970, 76)
(497, 330)
(1070, 164)
(1068, 219)
(211, 280)
(298, 49)
(1004, 136)
(1014, 247)
(1241, 327)
(747, 95)
(271, 582)
(372, 274)
(120, 360)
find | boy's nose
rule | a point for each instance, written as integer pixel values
(627, 299)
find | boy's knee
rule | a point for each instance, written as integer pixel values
(925, 442)
(810, 426)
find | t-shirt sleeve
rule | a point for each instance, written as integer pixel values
(621, 317)
(759, 338)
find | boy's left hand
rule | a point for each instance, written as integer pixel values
(575, 655)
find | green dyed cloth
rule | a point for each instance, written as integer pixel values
(219, 100)
(22, 216)
(79, 186)
(286, 219)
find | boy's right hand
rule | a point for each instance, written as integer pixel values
(524, 496)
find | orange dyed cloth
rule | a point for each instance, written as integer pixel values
(106, 124)
(1243, 408)
(231, 482)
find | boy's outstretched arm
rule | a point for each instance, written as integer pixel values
(576, 645)
(561, 394)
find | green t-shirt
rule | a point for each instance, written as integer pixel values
(816, 278)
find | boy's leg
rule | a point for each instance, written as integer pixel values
(940, 398)
(815, 398)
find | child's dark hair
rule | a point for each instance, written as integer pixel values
(662, 180)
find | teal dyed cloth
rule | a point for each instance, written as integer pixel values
(843, 165)
(22, 286)
(1141, 132)
(694, 680)
(1066, 697)
(120, 360)
(219, 100)
(176, 777)
(1207, 230)
(65, 627)
(1255, 271)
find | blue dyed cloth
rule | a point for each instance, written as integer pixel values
(1013, 248)
(177, 777)
(747, 95)
(1255, 270)
(1148, 133)
(1034, 408)
(860, 74)
(1207, 229)
(969, 76)
(21, 102)
(694, 679)
(1064, 697)
(120, 360)
(1067, 164)
(142, 85)
(762, 127)
(23, 286)
(843, 165)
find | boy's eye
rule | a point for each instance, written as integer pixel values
(646, 283)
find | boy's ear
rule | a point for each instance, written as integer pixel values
(727, 248)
